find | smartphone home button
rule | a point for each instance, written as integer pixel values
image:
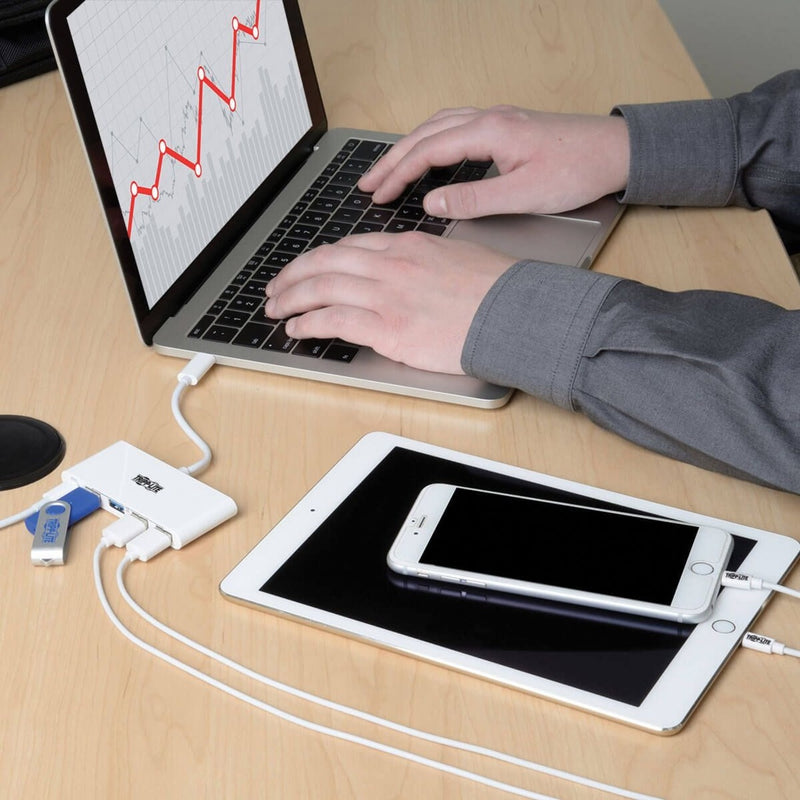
(702, 568)
(723, 626)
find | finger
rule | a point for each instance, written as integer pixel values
(450, 145)
(395, 171)
(352, 324)
(504, 194)
(323, 290)
(387, 163)
(342, 256)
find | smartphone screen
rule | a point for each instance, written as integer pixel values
(639, 558)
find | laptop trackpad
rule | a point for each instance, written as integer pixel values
(562, 240)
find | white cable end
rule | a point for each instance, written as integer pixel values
(737, 580)
(764, 644)
(123, 530)
(149, 544)
(194, 371)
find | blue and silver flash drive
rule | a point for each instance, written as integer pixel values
(81, 502)
(49, 546)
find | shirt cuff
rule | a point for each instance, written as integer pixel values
(682, 153)
(531, 328)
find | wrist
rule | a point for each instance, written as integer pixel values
(617, 151)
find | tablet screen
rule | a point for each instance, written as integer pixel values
(341, 568)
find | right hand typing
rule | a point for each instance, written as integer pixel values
(548, 162)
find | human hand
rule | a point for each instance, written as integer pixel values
(408, 296)
(547, 162)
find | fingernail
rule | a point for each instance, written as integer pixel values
(435, 204)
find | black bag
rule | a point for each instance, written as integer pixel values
(24, 47)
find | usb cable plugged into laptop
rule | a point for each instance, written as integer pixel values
(191, 375)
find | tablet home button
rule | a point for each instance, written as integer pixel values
(702, 568)
(723, 626)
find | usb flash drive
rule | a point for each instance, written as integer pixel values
(81, 503)
(50, 538)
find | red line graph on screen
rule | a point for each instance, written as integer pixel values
(165, 151)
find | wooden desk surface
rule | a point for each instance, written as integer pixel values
(83, 714)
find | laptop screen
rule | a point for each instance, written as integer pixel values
(196, 102)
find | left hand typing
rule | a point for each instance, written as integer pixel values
(408, 296)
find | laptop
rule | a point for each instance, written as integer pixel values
(206, 136)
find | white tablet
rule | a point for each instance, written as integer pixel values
(325, 564)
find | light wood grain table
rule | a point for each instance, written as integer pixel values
(83, 714)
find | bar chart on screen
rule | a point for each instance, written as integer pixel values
(196, 102)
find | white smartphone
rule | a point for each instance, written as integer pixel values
(623, 561)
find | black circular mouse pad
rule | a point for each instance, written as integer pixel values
(29, 450)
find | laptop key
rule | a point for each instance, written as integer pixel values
(254, 287)
(341, 352)
(436, 220)
(254, 334)
(349, 215)
(379, 215)
(432, 228)
(342, 178)
(368, 227)
(317, 218)
(220, 333)
(279, 340)
(327, 204)
(356, 165)
(233, 319)
(335, 192)
(302, 231)
(289, 245)
(324, 238)
(311, 347)
(245, 303)
(201, 327)
(357, 200)
(279, 259)
(336, 229)
(400, 226)
(369, 150)
(410, 213)
(266, 273)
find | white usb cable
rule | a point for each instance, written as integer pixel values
(752, 640)
(407, 755)
(191, 375)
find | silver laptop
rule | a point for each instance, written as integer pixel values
(205, 131)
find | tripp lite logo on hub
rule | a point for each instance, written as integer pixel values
(146, 483)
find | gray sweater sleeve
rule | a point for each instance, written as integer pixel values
(741, 151)
(711, 378)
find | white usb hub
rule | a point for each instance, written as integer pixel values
(130, 481)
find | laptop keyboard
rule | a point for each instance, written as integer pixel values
(333, 207)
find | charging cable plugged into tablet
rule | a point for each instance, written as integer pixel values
(752, 640)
